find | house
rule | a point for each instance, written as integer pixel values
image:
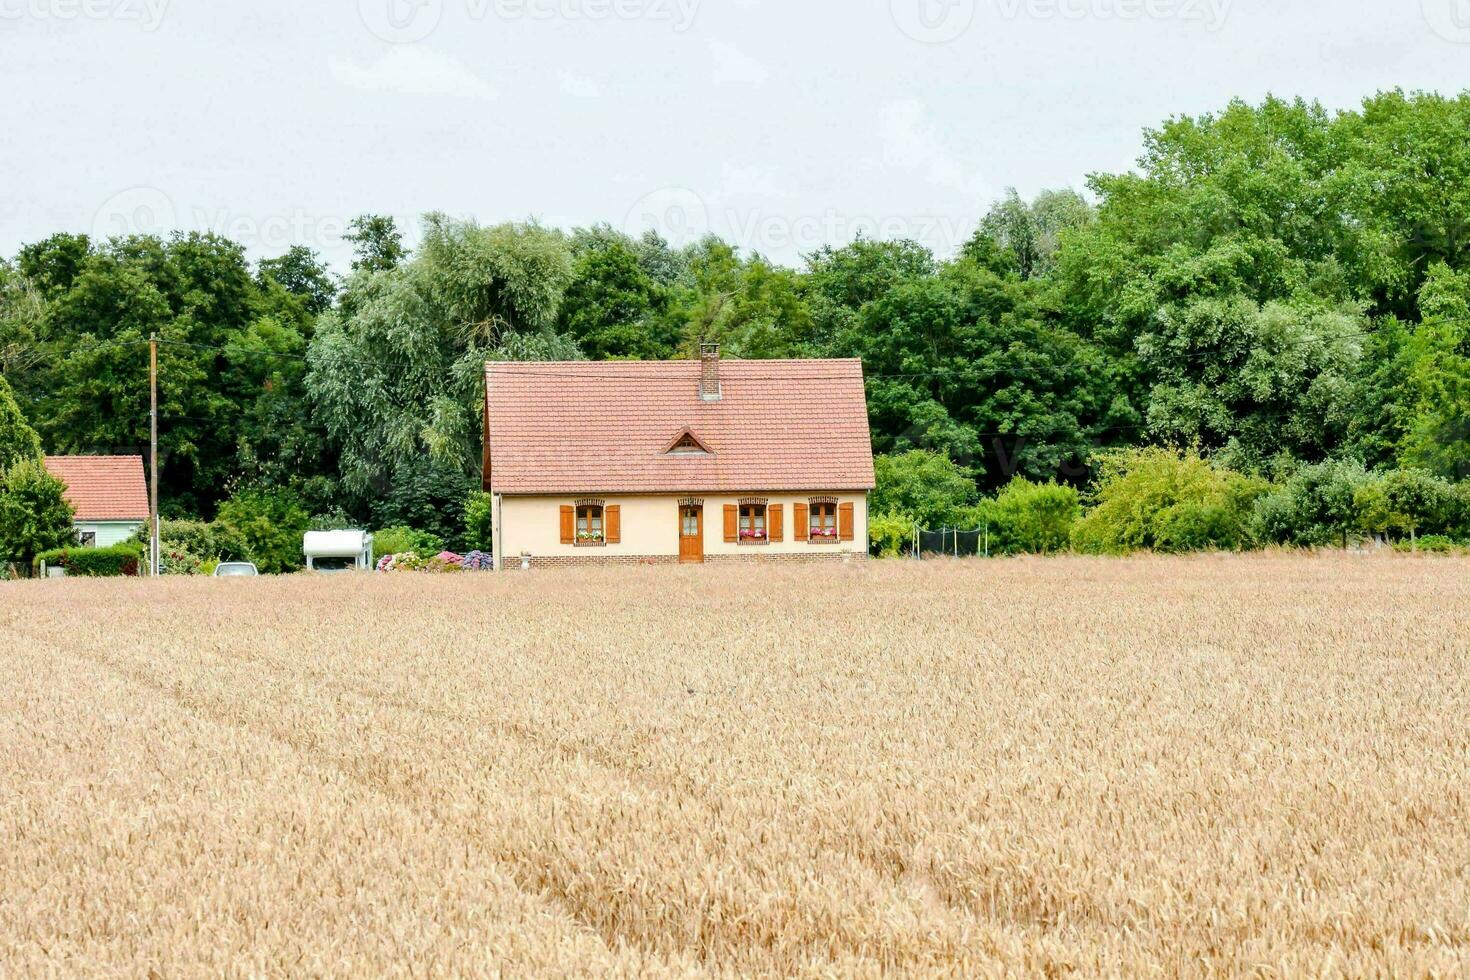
(108, 493)
(655, 462)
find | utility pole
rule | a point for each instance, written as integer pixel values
(154, 551)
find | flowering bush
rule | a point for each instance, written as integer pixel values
(445, 561)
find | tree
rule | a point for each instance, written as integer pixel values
(377, 245)
(300, 273)
(968, 364)
(34, 514)
(270, 525)
(396, 374)
(611, 304)
(18, 441)
(1031, 518)
(1437, 386)
(1162, 500)
(924, 486)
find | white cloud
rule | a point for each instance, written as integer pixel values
(580, 86)
(411, 69)
(732, 65)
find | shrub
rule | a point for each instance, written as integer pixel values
(402, 540)
(1317, 505)
(126, 559)
(1405, 502)
(925, 486)
(18, 441)
(890, 534)
(206, 539)
(1028, 517)
(1436, 544)
(1164, 500)
(34, 514)
(479, 521)
(269, 524)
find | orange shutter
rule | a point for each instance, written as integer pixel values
(612, 524)
(774, 523)
(801, 528)
(568, 525)
(845, 522)
(732, 523)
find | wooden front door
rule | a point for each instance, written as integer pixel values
(691, 533)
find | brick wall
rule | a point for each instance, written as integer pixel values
(513, 564)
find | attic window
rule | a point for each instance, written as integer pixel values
(687, 444)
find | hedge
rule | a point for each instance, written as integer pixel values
(119, 560)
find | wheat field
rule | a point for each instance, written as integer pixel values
(1216, 765)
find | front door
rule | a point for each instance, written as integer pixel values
(691, 533)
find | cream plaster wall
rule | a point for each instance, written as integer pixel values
(650, 526)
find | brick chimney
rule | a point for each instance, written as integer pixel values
(709, 372)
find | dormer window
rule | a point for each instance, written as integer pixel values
(686, 443)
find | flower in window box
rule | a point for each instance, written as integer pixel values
(752, 535)
(824, 532)
(589, 536)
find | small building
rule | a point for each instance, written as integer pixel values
(336, 551)
(108, 493)
(653, 462)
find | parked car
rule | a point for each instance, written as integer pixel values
(236, 569)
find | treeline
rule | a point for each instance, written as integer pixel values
(1275, 287)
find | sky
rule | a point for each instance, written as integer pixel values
(781, 125)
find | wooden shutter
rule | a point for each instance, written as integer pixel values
(732, 523)
(801, 528)
(845, 530)
(612, 524)
(569, 525)
(775, 520)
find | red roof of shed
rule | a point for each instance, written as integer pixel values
(103, 488)
(606, 427)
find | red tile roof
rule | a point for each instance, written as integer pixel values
(103, 488)
(604, 427)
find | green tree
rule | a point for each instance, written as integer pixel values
(395, 375)
(270, 525)
(300, 272)
(377, 244)
(1031, 518)
(34, 514)
(1163, 500)
(923, 486)
(611, 306)
(18, 441)
(479, 521)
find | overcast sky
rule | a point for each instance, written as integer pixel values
(779, 124)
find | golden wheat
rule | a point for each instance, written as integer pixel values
(1148, 767)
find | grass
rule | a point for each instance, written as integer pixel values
(1154, 766)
